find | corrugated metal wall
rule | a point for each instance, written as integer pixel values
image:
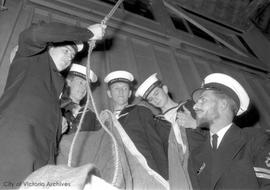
(181, 69)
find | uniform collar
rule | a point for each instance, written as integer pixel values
(126, 110)
(170, 109)
(220, 134)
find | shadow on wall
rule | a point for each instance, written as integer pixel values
(248, 119)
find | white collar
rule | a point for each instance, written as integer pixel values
(220, 134)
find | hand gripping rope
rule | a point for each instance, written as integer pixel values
(89, 95)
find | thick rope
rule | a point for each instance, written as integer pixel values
(89, 95)
(109, 15)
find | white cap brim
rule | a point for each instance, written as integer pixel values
(81, 71)
(230, 83)
(118, 76)
(147, 86)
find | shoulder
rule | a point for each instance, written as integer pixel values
(140, 108)
(258, 141)
(196, 137)
(135, 109)
(142, 113)
(255, 134)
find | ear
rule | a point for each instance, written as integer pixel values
(223, 104)
(165, 88)
(109, 94)
(130, 92)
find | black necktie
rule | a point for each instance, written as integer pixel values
(214, 141)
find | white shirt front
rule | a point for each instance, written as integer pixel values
(171, 117)
(117, 113)
(220, 134)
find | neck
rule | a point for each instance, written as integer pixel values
(117, 107)
(170, 104)
(75, 100)
(218, 125)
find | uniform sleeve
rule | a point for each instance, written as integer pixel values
(90, 122)
(261, 160)
(155, 141)
(36, 38)
(196, 137)
(163, 128)
(189, 105)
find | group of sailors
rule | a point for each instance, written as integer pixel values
(193, 144)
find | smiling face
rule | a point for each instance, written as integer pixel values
(77, 88)
(158, 97)
(207, 108)
(119, 92)
(62, 56)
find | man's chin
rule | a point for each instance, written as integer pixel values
(121, 102)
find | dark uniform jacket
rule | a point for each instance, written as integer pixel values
(90, 122)
(178, 169)
(164, 127)
(138, 122)
(242, 161)
(178, 160)
(30, 117)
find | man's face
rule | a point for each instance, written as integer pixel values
(77, 88)
(207, 108)
(119, 92)
(62, 56)
(158, 97)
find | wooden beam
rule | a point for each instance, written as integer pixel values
(182, 14)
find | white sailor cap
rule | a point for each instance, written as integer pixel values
(229, 86)
(80, 70)
(147, 86)
(119, 76)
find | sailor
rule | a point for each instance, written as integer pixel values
(30, 122)
(137, 121)
(74, 98)
(168, 125)
(230, 157)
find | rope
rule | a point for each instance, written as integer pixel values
(109, 15)
(89, 95)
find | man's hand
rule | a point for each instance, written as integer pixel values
(185, 119)
(106, 119)
(98, 30)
